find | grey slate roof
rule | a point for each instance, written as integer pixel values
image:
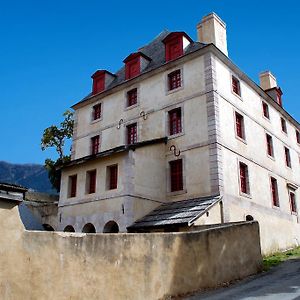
(176, 213)
(154, 50)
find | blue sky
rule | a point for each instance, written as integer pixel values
(49, 50)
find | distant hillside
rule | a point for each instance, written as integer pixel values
(32, 176)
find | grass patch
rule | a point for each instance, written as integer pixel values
(277, 258)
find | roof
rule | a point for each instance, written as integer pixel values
(176, 213)
(12, 192)
(12, 187)
(155, 50)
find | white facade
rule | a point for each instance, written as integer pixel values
(208, 146)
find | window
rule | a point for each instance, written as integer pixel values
(236, 88)
(244, 179)
(240, 129)
(298, 136)
(283, 125)
(175, 121)
(132, 68)
(91, 181)
(293, 202)
(270, 149)
(274, 192)
(132, 97)
(98, 83)
(72, 186)
(132, 134)
(174, 80)
(112, 172)
(95, 143)
(266, 110)
(287, 157)
(97, 111)
(176, 175)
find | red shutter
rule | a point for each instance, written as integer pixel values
(236, 86)
(95, 144)
(176, 175)
(269, 145)
(293, 202)
(174, 80)
(92, 178)
(132, 97)
(287, 157)
(283, 125)
(239, 125)
(274, 191)
(132, 134)
(266, 110)
(132, 68)
(73, 183)
(175, 121)
(174, 49)
(243, 178)
(97, 111)
(98, 84)
(113, 180)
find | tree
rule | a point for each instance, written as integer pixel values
(56, 137)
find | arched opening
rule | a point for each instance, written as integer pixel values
(89, 228)
(48, 227)
(249, 218)
(69, 228)
(111, 227)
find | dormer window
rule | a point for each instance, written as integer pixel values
(101, 80)
(175, 43)
(135, 63)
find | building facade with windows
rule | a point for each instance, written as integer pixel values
(179, 137)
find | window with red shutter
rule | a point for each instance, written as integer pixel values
(174, 49)
(239, 122)
(244, 184)
(274, 192)
(113, 177)
(293, 202)
(176, 175)
(175, 121)
(236, 88)
(97, 111)
(283, 125)
(266, 110)
(174, 80)
(269, 145)
(132, 97)
(98, 84)
(297, 136)
(287, 157)
(91, 177)
(132, 68)
(132, 134)
(72, 186)
(95, 144)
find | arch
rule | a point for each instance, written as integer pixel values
(48, 227)
(111, 227)
(69, 228)
(249, 218)
(89, 228)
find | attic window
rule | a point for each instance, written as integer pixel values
(98, 83)
(132, 68)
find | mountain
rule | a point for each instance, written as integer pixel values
(32, 176)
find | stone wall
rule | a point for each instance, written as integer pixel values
(56, 265)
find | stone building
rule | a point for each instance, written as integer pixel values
(181, 137)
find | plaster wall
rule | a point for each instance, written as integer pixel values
(53, 265)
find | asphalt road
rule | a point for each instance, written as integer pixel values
(280, 283)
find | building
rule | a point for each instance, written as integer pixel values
(180, 122)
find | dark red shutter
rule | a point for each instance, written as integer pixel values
(95, 144)
(175, 121)
(269, 145)
(113, 180)
(73, 182)
(174, 49)
(97, 111)
(176, 175)
(92, 185)
(243, 178)
(132, 97)
(236, 86)
(99, 84)
(239, 125)
(274, 191)
(174, 80)
(132, 134)
(132, 68)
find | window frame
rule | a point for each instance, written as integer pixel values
(244, 182)
(287, 155)
(176, 176)
(72, 186)
(297, 136)
(131, 125)
(283, 125)
(242, 128)
(112, 181)
(99, 104)
(293, 206)
(270, 153)
(274, 192)
(179, 119)
(91, 185)
(265, 110)
(171, 89)
(239, 90)
(93, 144)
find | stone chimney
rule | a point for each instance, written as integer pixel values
(268, 83)
(212, 29)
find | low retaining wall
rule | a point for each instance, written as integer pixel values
(53, 265)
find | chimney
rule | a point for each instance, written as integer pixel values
(212, 29)
(268, 83)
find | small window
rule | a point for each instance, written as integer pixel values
(95, 144)
(270, 149)
(240, 128)
(174, 80)
(176, 175)
(283, 125)
(274, 192)
(132, 134)
(266, 110)
(293, 202)
(112, 173)
(72, 186)
(236, 87)
(287, 157)
(175, 121)
(244, 179)
(97, 111)
(131, 97)
(91, 181)
(298, 136)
